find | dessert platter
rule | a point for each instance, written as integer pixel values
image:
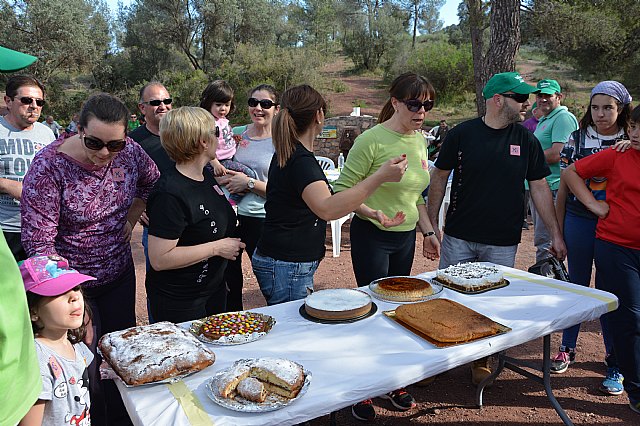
(402, 289)
(258, 384)
(337, 305)
(471, 278)
(232, 328)
(445, 322)
(154, 353)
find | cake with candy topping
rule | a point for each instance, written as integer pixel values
(337, 304)
(470, 277)
(233, 323)
(154, 352)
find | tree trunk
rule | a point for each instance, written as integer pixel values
(503, 46)
(415, 23)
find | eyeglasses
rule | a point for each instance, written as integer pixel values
(26, 100)
(414, 105)
(96, 144)
(518, 97)
(264, 103)
(157, 102)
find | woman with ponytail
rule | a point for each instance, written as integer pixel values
(378, 251)
(300, 200)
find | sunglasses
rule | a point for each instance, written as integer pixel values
(157, 102)
(414, 105)
(264, 103)
(518, 97)
(96, 144)
(26, 100)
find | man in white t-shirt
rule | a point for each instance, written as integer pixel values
(21, 137)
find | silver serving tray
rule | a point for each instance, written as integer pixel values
(233, 339)
(272, 403)
(437, 289)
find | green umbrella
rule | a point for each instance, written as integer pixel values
(11, 61)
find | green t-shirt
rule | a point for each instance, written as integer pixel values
(555, 128)
(20, 382)
(370, 150)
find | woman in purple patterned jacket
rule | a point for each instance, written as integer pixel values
(81, 198)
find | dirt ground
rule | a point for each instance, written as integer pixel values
(512, 400)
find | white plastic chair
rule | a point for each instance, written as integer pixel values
(325, 163)
(336, 233)
(444, 206)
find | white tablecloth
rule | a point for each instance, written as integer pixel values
(355, 361)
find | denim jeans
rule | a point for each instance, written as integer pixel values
(580, 237)
(282, 281)
(619, 273)
(541, 235)
(454, 251)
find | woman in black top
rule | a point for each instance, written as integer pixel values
(299, 200)
(190, 222)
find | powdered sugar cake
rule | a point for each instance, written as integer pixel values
(471, 277)
(154, 352)
(337, 304)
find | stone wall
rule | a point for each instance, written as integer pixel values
(331, 147)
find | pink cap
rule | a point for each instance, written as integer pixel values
(50, 275)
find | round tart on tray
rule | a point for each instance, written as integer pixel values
(403, 289)
(338, 304)
(232, 328)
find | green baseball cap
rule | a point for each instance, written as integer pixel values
(548, 87)
(11, 61)
(506, 82)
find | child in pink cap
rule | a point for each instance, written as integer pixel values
(58, 317)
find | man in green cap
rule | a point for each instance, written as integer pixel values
(553, 130)
(491, 157)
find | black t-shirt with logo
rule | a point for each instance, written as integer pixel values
(292, 232)
(489, 169)
(193, 213)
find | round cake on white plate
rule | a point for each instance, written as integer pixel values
(470, 276)
(337, 304)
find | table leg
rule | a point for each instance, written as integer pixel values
(483, 384)
(516, 364)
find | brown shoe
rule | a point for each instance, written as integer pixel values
(480, 370)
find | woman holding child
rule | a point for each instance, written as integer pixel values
(254, 150)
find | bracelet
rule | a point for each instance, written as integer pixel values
(428, 234)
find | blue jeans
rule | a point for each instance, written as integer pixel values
(454, 251)
(619, 273)
(541, 235)
(580, 237)
(282, 281)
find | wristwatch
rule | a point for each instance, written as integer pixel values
(428, 234)
(251, 183)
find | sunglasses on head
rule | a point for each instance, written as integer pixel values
(96, 144)
(157, 102)
(414, 105)
(26, 100)
(518, 97)
(264, 103)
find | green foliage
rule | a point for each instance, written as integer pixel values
(448, 67)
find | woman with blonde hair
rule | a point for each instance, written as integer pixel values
(190, 224)
(300, 200)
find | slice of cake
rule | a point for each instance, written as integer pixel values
(446, 321)
(470, 277)
(403, 288)
(338, 304)
(252, 389)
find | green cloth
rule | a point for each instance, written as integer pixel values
(555, 128)
(370, 150)
(20, 382)
(12, 61)
(132, 125)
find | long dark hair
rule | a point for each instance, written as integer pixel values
(76, 335)
(406, 86)
(624, 116)
(298, 110)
